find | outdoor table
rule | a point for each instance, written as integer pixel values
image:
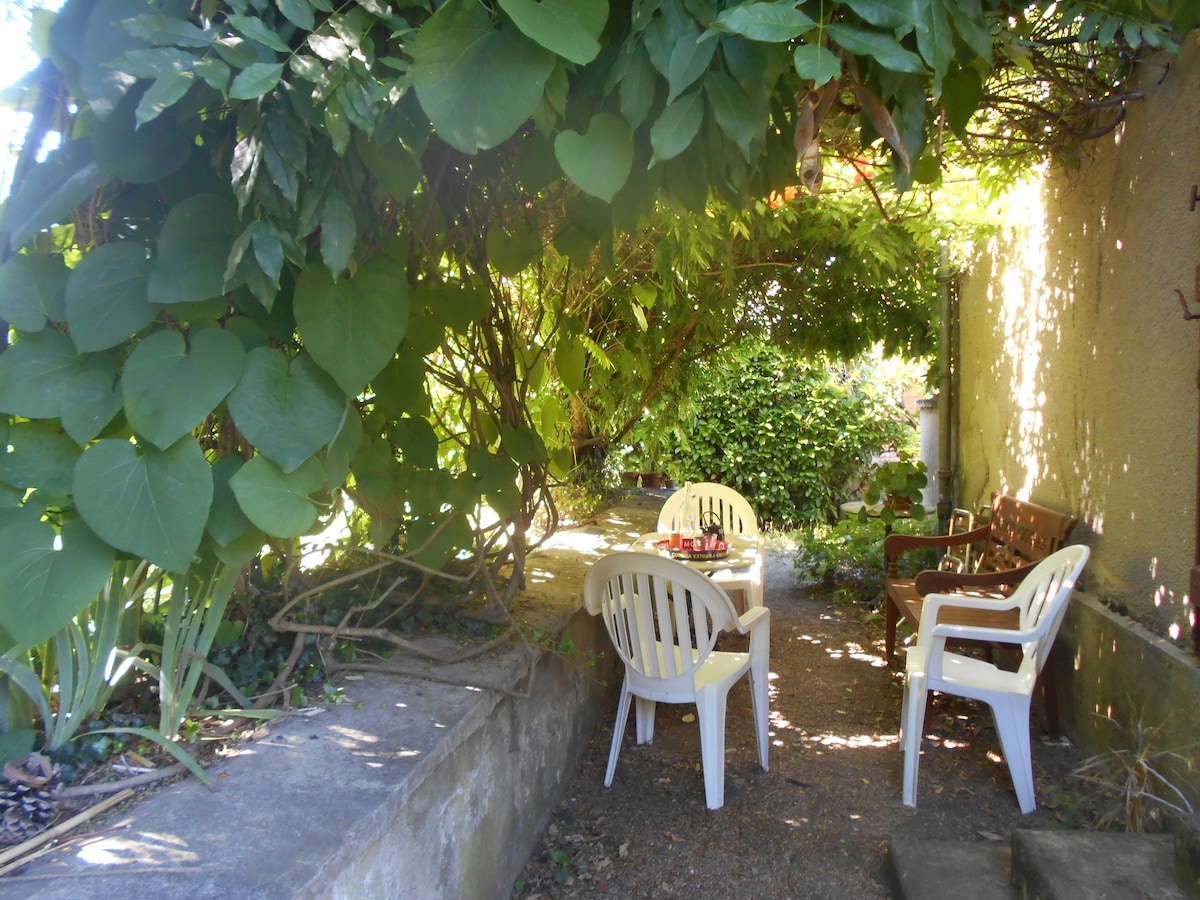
(735, 572)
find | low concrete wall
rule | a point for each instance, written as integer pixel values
(411, 788)
(1108, 665)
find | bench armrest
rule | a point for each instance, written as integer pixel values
(896, 544)
(932, 581)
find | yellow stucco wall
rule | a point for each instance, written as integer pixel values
(1078, 372)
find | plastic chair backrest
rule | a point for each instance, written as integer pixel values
(1042, 599)
(734, 510)
(663, 617)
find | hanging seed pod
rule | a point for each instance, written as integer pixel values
(879, 116)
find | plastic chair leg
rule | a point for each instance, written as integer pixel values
(911, 730)
(644, 714)
(760, 699)
(1012, 723)
(710, 710)
(618, 731)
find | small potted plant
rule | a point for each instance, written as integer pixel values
(898, 484)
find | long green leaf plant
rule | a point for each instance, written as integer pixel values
(193, 614)
(71, 676)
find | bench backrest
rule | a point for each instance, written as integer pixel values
(1021, 533)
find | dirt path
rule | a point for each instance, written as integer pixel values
(817, 824)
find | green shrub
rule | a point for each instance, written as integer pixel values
(848, 556)
(795, 436)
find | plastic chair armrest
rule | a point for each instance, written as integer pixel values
(935, 603)
(982, 633)
(751, 618)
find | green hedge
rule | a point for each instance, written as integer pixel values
(795, 436)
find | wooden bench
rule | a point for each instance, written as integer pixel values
(1019, 535)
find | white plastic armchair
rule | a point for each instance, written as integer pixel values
(737, 517)
(1041, 601)
(664, 619)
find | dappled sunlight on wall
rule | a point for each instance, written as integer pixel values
(1013, 341)
(1077, 370)
(1026, 323)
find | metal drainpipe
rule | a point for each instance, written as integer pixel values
(946, 399)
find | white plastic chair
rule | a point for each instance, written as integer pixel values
(664, 619)
(1041, 600)
(737, 517)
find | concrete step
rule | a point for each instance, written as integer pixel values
(1038, 865)
(951, 870)
(1066, 865)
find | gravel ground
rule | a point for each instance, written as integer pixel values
(817, 824)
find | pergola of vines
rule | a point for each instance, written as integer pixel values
(430, 255)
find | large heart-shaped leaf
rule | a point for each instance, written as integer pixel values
(139, 153)
(570, 359)
(570, 28)
(193, 250)
(42, 588)
(32, 288)
(53, 190)
(342, 450)
(35, 374)
(168, 387)
(599, 162)
(436, 542)
(37, 455)
(396, 170)
(523, 444)
(288, 412)
(511, 251)
(417, 442)
(91, 398)
(478, 84)
(275, 502)
(104, 40)
(226, 520)
(352, 327)
(496, 478)
(400, 387)
(106, 296)
(376, 475)
(961, 93)
(149, 502)
(338, 232)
